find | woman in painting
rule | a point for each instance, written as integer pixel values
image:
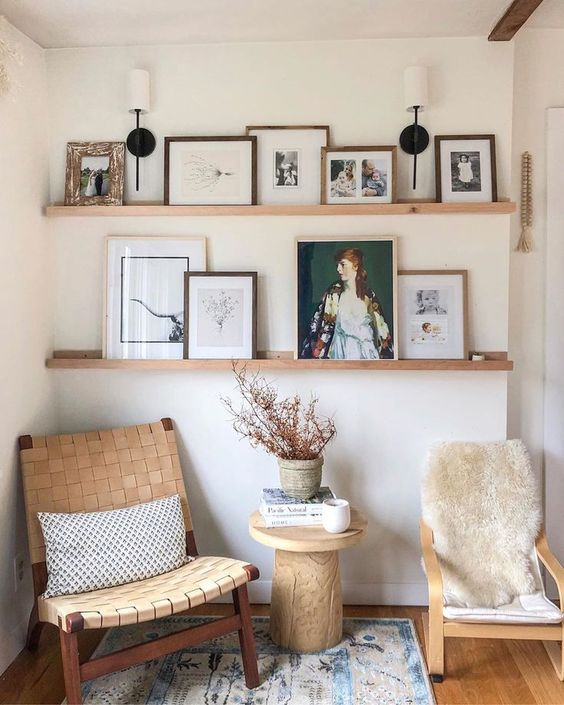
(349, 323)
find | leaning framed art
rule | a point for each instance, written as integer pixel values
(465, 168)
(144, 295)
(433, 313)
(210, 171)
(358, 174)
(221, 313)
(94, 175)
(346, 298)
(288, 162)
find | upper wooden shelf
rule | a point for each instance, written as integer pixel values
(405, 208)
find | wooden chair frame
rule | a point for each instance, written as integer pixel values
(436, 627)
(74, 671)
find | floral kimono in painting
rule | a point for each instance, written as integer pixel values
(338, 336)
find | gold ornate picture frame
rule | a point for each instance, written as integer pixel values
(95, 174)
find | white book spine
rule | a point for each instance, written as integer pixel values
(303, 520)
(290, 509)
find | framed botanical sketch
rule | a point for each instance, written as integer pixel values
(210, 171)
(288, 162)
(144, 295)
(95, 173)
(346, 298)
(220, 309)
(358, 175)
(433, 311)
(465, 169)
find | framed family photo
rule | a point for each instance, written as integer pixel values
(346, 298)
(288, 162)
(465, 168)
(94, 175)
(210, 171)
(433, 310)
(144, 295)
(358, 175)
(221, 313)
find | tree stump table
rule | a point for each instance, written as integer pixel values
(306, 612)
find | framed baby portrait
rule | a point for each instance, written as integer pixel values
(220, 309)
(94, 175)
(465, 169)
(433, 314)
(358, 175)
(288, 162)
(346, 298)
(210, 171)
(144, 295)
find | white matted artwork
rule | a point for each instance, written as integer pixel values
(289, 169)
(220, 312)
(144, 295)
(465, 169)
(210, 171)
(358, 175)
(433, 314)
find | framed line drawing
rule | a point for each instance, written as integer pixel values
(94, 174)
(433, 313)
(465, 168)
(144, 295)
(220, 309)
(358, 175)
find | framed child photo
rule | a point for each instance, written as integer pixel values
(210, 171)
(433, 313)
(358, 175)
(94, 175)
(288, 162)
(346, 298)
(144, 295)
(465, 168)
(220, 309)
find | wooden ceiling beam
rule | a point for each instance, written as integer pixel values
(514, 18)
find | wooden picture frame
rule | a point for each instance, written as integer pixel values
(94, 174)
(344, 178)
(459, 173)
(210, 174)
(433, 312)
(229, 329)
(289, 170)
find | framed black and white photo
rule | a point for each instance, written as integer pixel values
(465, 168)
(95, 173)
(144, 295)
(288, 162)
(210, 171)
(220, 309)
(358, 175)
(433, 314)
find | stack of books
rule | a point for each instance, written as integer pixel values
(278, 509)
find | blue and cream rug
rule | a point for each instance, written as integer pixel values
(378, 661)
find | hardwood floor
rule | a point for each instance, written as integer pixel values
(479, 671)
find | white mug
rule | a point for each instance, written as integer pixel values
(336, 515)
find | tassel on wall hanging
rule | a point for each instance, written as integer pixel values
(525, 243)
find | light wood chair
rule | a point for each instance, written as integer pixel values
(107, 470)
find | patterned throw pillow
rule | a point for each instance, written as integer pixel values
(96, 550)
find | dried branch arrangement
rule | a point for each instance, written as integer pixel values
(287, 428)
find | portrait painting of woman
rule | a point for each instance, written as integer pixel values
(346, 299)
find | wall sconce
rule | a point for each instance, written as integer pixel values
(140, 142)
(414, 139)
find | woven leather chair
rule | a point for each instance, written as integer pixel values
(107, 470)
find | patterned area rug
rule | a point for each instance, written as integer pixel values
(377, 662)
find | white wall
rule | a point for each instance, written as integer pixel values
(25, 308)
(385, 420)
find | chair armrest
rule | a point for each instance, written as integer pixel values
(432, 567)
(551, 563)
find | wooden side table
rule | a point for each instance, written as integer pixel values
(306, 612)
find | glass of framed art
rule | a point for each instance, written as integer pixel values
(465, 170)
(144, 295)
(94, 174)
(433, 314)
(288, 162)
(210, 171)
(358, 175)
(221, 313)
(346, 298)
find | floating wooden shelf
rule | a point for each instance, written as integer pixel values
(406, 208)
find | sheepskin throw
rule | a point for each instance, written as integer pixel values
(480, 500)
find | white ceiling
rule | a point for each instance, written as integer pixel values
(81, 23)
